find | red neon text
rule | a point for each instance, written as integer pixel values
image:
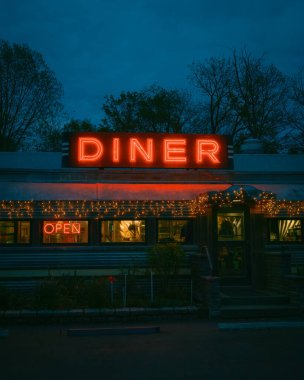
(89, 149)
(175, 150)
(146, 154)
(116, 147)
(61, 228)
(207, 149)
(149, 150)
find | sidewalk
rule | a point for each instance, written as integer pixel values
(102, 314)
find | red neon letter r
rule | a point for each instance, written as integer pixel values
(207, 148)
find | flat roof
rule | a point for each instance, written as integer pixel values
(242, 162)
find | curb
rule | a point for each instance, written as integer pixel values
(114, 331)
(3, 333)
(99, 313)
(260, 325)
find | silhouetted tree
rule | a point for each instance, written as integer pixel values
(259, 96)
(212, 78)
(296, 112)
(152, 110)
(243, 97)
(51, 138)
(29, 95)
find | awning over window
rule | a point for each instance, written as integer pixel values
(77, 191)
(288, 192)
(162, 191)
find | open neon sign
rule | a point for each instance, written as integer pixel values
(66, 228)
(148, 150)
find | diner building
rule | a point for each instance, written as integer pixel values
(97, 206)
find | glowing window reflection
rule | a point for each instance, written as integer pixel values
(175, 230)
(230, 226)
(15, 232)
(123, 231)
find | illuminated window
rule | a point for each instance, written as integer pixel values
(289, 230)
(65, 231)
(175, 230)
(230, 226)
(123, 231)
(14, 232)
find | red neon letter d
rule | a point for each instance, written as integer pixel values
(90, 149)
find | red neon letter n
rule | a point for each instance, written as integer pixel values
(135, 146)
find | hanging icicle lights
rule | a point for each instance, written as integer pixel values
(265, 203)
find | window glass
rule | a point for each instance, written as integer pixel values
(123, 231)
(231, 260)
(65, 232)
(175, 230)
(7, 232)
(23, 232)
(285, 230)
(14, 232)
(230, 226)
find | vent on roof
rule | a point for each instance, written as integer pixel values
(252, 146)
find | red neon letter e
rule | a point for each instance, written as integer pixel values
(89, 149)
(175, 150)
(207, 148)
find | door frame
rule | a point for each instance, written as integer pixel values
(244, 244)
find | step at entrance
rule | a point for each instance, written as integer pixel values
(247, 302)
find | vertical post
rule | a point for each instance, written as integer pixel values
(213, 296)
(151, 287)
(112, 292)
(191, 291)
(125, 292)
(111, 280)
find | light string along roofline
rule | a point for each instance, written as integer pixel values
(266, 203)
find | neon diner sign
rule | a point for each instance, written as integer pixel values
(154, 150)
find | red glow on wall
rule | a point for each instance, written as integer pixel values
(66, 228)
(148, 150)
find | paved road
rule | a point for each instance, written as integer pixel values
(182, 350)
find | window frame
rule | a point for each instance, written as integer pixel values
(15, 243)
(278, 241)
(187, 219)
(63, 244)
(122, 242)
(241, 213)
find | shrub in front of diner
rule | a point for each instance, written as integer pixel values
(65, 294)
(161, 284)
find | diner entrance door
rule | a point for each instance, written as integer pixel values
(232, 250)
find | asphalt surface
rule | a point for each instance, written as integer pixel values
(192, 349)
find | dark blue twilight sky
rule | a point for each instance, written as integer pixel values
(100, 47)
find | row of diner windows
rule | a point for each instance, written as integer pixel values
(229, 227)
(111, 231)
